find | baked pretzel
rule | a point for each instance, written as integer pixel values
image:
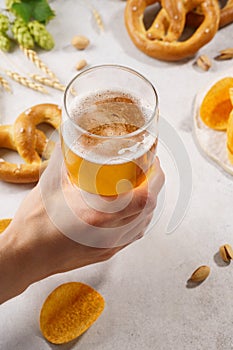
(29, 142)
(25, 129)
(194, 19)
(161, 40)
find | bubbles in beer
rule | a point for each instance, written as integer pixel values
(107, 143)
(108, 117)
(108, 107)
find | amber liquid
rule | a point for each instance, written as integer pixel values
(109, 166)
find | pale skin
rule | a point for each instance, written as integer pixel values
(32, 248)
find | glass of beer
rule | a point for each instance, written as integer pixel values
(109, 129)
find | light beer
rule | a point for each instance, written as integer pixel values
(106, 148)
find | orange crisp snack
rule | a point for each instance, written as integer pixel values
(69, 311)
(230, 130)
(216, 105)
(4, 223)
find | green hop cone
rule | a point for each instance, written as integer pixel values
(5, 43)
(4, 23)
(22, 34)
(41, 36)
(18, 23)
(9, 3)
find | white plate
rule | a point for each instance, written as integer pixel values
(212, 142)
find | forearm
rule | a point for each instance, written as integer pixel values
(33, 248)
(13, 268)
(25, 256)
(30, 251)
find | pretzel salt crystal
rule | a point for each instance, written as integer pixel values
(194, 19)
(161, 40)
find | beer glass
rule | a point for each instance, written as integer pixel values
(109, 129)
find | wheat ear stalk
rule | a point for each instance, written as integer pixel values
(96, 15)
(32, 56)
(4, 83)
(48, 82)
(25, 81)
(97, 18)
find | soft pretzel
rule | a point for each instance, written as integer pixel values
(29, 142)
(19, 173)
(194, 19)
(25, 129)
(161, 40)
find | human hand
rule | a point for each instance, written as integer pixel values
(57, 229)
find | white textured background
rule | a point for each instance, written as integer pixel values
(147, 303)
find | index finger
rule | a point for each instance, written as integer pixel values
(145, 195)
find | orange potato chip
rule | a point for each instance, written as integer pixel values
(216, 105)
(69, 311)
(4, 223)
(230, 130)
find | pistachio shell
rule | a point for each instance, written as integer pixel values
(204, 62)
(80, 42)
(81, 64)
(229, 251)
(200, 274)
(223, 254)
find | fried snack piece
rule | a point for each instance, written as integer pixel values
(69, 311)
(29, 142)
(162, 39)
(4, 223)
(194, 19)
(216, 105)
(230, 130)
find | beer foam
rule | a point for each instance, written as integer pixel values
(108, 114)
(90, 104)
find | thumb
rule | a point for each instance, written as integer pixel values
(55, 165)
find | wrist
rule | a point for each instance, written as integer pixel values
(39, 248)
(27, 244)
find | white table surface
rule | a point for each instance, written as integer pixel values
(147, 303)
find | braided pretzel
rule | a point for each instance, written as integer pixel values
(29, 142)
(161, 40)
(194, 19)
